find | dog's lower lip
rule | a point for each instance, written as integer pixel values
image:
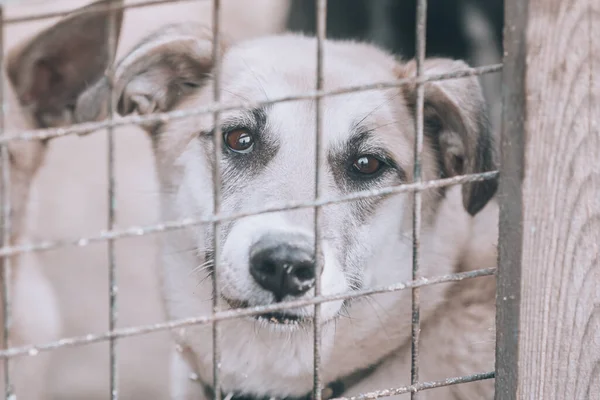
(272, 317)
(279, 318)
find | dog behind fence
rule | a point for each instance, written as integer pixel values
(130, 207)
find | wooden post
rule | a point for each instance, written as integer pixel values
(548, 321)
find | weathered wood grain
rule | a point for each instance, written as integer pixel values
(558, 353)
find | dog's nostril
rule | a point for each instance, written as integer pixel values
(268, 268)
(304, 273)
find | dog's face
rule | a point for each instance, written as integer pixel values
(43, 78)
(268, 157)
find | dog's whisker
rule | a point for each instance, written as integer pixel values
(203, 267)
(258, 81)
(182, 251)
(239, 96)
(372, 303)
(386, 101)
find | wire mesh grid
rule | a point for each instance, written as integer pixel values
(110, 235)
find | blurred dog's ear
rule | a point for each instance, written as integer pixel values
(54, 67)
(456, 122)
(162, 70)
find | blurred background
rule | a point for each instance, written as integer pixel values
(70, 197)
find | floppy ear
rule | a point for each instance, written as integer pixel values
(53, 68)
(457, 126)
(162, 70)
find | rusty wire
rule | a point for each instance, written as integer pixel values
(321, 6)
(85, 128)
(111, 36)
(33, 350)
(100, 7)
(216, 298)
(421, 18)
(419, 387)
(284, 206)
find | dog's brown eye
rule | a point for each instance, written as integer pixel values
(239, 140)
(367, 165)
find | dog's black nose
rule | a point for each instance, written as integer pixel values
(283, 265)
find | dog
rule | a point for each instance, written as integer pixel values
(42, 78)
(268, 158)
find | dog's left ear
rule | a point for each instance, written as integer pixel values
(54, 67)
(457, 126)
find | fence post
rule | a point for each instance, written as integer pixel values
(548, 321)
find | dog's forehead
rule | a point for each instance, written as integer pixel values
(293, 58)
(276, 67)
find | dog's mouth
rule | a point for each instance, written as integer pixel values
(273, 318)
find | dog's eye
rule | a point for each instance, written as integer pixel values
(239, 140)
(367, 165)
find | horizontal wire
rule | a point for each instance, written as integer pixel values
(287, 206)
(33, 350)
(88, 127)
(100, 7)
(418, 387)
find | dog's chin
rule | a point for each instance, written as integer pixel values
(281, 320)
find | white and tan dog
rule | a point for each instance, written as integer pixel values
(43, 78)
(267, 158)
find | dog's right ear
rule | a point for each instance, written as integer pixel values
(155, 76)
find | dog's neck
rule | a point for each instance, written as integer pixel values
(330, 391)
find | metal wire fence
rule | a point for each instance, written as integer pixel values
(112, 234)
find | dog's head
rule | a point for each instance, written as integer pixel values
(268, 157)
(44, 77)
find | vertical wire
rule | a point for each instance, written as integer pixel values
(6, 230)
(418, 150)
(321, 32)
(216, 20)
(111, 32)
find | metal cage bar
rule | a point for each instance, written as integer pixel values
(6, 272)
(419, 387)
(321, 32)
(111, 32)
(88, 127)
(418, 155)
(33, 350)
(49, 15)
(284, 206)
(216, 25)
